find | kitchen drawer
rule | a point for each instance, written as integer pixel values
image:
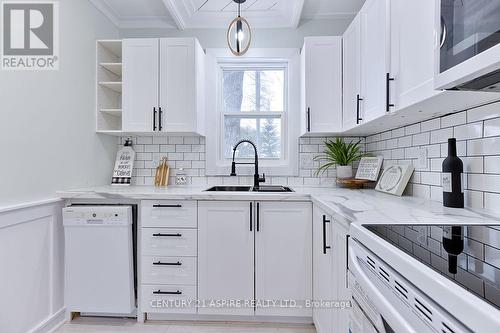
(169, 213)
(168, 299)
(169, 242)
(168, 270)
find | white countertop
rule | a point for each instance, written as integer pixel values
(364, 206)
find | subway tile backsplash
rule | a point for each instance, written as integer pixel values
(478, 144)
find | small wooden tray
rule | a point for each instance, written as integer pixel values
(352, 182)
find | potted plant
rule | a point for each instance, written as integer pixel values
(340, 154)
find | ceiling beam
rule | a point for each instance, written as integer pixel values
(297, 13)
(175, 11)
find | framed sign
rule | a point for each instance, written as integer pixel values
(122, 173)
(394, 179)
(369, 168)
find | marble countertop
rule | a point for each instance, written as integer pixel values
(362, 206)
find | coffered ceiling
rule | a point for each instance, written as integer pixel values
(189, 14)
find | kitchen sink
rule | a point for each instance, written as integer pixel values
(264, 188)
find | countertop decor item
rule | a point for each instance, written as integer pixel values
(394, 179)
(340, 154)
(124, 164)
(162, 173)
(369, 168)
(352, 183)
(451, 178)
(239, 34)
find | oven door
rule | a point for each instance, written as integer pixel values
(468, 43)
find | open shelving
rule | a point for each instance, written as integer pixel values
(109, 86)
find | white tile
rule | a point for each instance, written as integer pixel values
(431, 178)
(295, 181)
(492, 127)
(433, 150)
(469, 131)
(151, 148)
(143, 156)
(437, 193)
(385, 135)
(391, 144)
(175, 156)
(191, 140)
(454, 119)
(431, 125)
(145, 140)
(441, 135)
(479, 182)
(484, 112)
(437, 164)
(473, 164)
(191, 156)
(473, 199)
(404, 142)
(303, 141)
(182, 148)
(160, 140)
(198, 148)
(396, 133)
(412, 152)
(309, 148)
(492, 201)
(421, 139)
(398, 154)
(488, 146)
(198, 164)
(167, 148)
(461, 149)
(175, 140)
(492, 164)
(373, 138)
(412, 129)
(421, 191)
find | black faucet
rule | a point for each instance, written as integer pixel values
(256, 177)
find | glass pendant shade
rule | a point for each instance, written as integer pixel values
(239, 35)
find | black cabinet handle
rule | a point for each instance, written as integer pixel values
(159, 292)
(308, 113)
(251, 216)
(358, 118)
(160, 113)
(388, 104)
(258, 216)
(159, 263)
(325, 247)
(167, 235)
(154, 119)
(167, 206)
(347, 260)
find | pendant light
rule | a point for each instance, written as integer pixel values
(239, 34)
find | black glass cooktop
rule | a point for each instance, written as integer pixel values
(467, 255)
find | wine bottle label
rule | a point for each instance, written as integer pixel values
(446, 182)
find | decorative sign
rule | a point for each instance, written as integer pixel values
(369, 168)
(394, 179)
(122, 174)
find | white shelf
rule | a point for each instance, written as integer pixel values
(113, 46)
(112, 112)
(113, 67)
(116, 86)
(111, 132)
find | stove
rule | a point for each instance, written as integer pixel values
(467, 255)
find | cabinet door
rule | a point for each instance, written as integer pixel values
(283, 267)
(140, 84)
(413, 41)
(322, 270)
(323, 84)
(225, 255)
(352, 74)
(177, 84)
(374, 47)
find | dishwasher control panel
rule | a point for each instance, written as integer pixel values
(97, 215)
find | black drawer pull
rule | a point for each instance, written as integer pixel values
(388, 104)
(167, 206)
(159, 292)
(325, 247)
(159, 263)
(154, 119)
(358, 117)
(167, 235)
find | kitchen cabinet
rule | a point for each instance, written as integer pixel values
(321, 85)
(352, 96)
(255, 251)
(226, 254)
(330, 271)
(283, 256)
(163, 86)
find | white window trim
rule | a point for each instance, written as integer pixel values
(216, 165)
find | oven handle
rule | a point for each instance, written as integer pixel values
(393, 317)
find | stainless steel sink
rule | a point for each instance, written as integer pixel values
(264, 188)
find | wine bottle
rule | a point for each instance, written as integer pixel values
(453, 243)
(451, 178)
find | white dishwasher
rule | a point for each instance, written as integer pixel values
(99, 260)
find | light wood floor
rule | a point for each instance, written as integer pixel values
(111, 325)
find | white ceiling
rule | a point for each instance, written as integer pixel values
(188, 14)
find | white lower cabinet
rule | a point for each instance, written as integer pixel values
(255, 251)
(329, 273)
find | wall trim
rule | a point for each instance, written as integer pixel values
(52, 324)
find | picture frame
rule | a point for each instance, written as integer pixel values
(394, 179)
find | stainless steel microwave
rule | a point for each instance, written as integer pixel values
(468, 49)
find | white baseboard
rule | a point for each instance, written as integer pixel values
(52, 323)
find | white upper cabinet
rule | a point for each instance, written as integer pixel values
(140, 84)
(163, 82)
(375, 60)
(352, 96)
(321, 94)
(283, 256)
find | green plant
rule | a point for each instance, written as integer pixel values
(339, 153)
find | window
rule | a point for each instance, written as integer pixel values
(253, 106)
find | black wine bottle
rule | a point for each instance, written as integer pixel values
(453, 243)
(453, 168)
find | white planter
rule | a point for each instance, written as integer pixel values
(344, 171)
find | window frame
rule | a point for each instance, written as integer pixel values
(288, 58)
(282, 115)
